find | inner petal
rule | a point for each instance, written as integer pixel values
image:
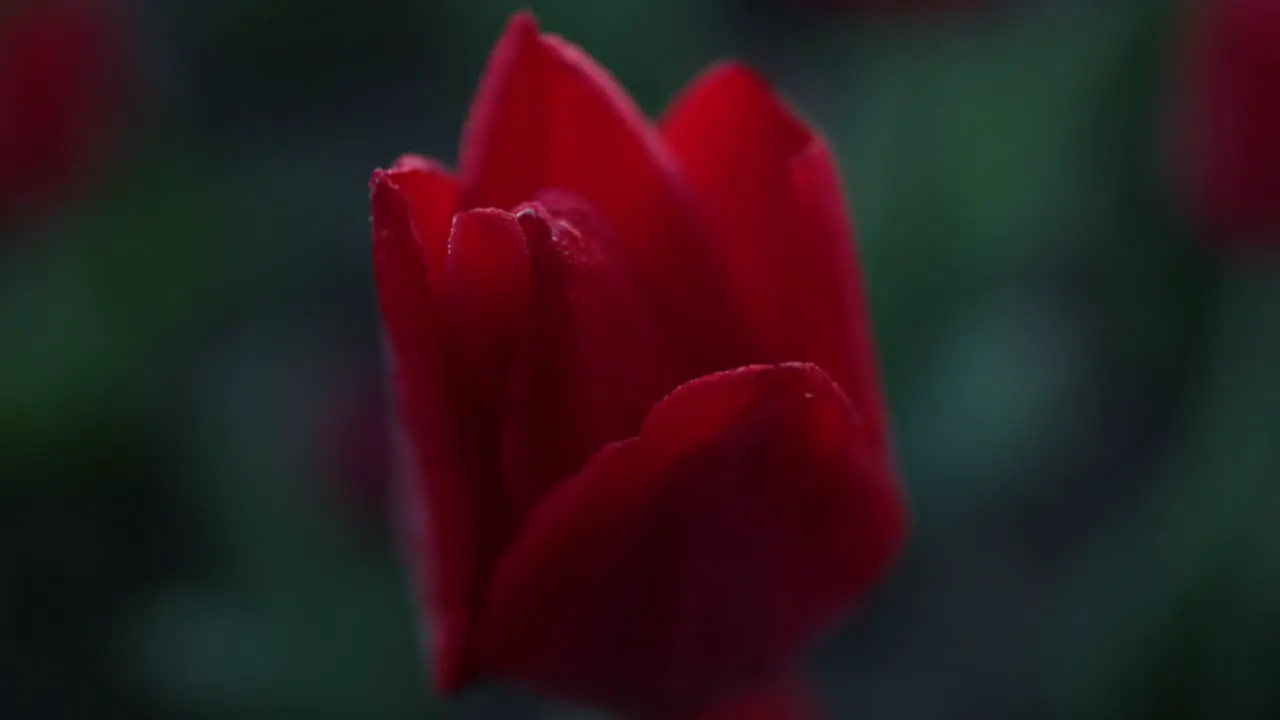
(593, 359)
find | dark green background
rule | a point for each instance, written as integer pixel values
(1086, 392)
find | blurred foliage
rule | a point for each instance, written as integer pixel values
(1184, 591)
(90, 307)
(296, 620)
(1085, 393)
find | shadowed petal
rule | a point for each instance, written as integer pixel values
(699, 559)
(445, 507)
(595, 358)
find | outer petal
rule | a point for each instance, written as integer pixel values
(431, 196)
(773, 192)
(547, 117)
(447, 510)
(699, 559)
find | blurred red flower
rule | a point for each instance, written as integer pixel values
(1229, 134)
(60, 71)
(634, 365)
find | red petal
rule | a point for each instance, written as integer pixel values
(594, 360)
(699, 559)
(444, 510)
(488, 301)
(772, 190)
(547, 117)
(432, 196)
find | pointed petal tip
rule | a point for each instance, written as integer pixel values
(731, 91)
(739, 70)
(522, 23)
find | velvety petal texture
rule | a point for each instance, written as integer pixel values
(646, 453)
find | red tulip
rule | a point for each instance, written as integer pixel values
(1230, 122)
(59, 68)
(634, 368)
